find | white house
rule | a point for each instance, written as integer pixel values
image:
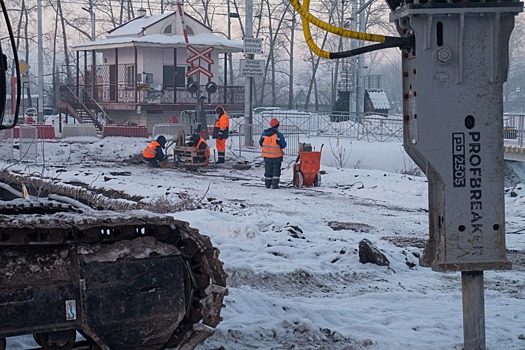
(142, 66)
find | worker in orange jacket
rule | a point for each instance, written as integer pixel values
(220, 133)
(153, 153)
(203, 151)
(272, 143)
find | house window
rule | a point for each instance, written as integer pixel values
(167, 76)
(173, 76)
(180, 76)
(189, 31)
(168, 29)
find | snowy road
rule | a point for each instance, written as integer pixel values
(296, 283)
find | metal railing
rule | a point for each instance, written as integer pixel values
(373, 127)
(513, 125)
(379, 128)
(153, 94)
(291, 134)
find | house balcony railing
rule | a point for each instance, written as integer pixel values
(150, 94)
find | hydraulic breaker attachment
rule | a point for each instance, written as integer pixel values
(453, 124)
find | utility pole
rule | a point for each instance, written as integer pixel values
(248, 103)
(228, 55)
(353, 63)
(40, 110)
(360, 88)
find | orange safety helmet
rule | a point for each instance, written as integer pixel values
(274, 122)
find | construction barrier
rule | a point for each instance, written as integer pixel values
(78, 130)
(44, 131)
(167, 130)
(125, 131)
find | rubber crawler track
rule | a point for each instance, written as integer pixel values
(206, 270)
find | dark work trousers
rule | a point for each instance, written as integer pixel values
(155, 162)
(272, 172)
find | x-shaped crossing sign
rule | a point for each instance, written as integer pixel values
(200, 55)
(199, 69)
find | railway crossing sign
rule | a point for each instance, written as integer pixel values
(199, 69)
(201, 55)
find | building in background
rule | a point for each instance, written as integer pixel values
(138, 73)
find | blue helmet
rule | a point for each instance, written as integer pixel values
(162, 141)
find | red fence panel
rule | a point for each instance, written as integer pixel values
(125, 131)
(44, 131)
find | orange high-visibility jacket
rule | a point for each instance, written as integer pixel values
(206, 151)
(149, 151)
(270, 148)
(222, 124)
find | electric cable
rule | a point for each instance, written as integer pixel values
(306, 15)
(3, 80)
(384, 41)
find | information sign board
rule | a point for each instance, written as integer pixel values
(253, 45)
(252, 68)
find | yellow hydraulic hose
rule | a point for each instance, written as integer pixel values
(383, 41)
(307, 16)
(308, 36)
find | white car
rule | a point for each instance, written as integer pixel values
(30, 115)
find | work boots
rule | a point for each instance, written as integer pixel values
(221, 157)
(268, 183)
(275, 183)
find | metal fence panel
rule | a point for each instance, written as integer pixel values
(381, 129)
(513, 125)
(290, 132)
(28, 143)
(343, 124)
(6, 144)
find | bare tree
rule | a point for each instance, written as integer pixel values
(271, 58)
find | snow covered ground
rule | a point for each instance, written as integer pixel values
(296, 283)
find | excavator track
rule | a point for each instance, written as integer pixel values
(124, 280)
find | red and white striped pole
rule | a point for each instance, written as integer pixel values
(181, 15)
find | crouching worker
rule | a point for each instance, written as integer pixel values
(272, 143)
(153, 153)
(202, 149)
